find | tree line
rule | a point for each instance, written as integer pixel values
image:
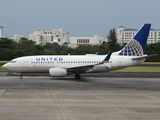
(10, 49)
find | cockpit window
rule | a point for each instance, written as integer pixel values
(13, 61)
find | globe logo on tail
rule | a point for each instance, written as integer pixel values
(133, 48)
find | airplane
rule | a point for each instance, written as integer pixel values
(64, 65)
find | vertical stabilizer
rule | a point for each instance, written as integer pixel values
(137, 45)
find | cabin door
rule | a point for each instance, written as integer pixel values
(25, 62)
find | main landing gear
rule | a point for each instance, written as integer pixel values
(77, 76)
(21, 77)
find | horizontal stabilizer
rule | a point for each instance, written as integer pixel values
(143, 57)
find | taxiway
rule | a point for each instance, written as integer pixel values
(45, 98)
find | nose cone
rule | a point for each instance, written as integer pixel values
(5, 66)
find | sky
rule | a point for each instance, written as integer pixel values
(83, 18)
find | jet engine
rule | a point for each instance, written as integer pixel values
(57, 72)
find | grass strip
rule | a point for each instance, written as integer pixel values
(139, 69)
(2, 70)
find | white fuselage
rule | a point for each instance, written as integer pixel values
(43, 63)
(60, 66)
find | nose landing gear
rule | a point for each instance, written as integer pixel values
(18, 74)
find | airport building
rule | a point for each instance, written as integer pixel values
(124, 35)
(16, 38)
(1, 31)
(61, 36)
(77, 41)
(42, 37)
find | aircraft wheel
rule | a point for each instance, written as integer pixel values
(77, 76)
(21, 77)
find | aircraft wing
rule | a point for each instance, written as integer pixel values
(143, 57)
(87, 67)
(80, 69)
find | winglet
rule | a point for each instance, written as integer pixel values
(97, 53)
(108, 56)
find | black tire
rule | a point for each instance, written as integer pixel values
(21, 77)
(77, 76)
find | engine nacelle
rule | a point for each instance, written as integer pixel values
(57, 72)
